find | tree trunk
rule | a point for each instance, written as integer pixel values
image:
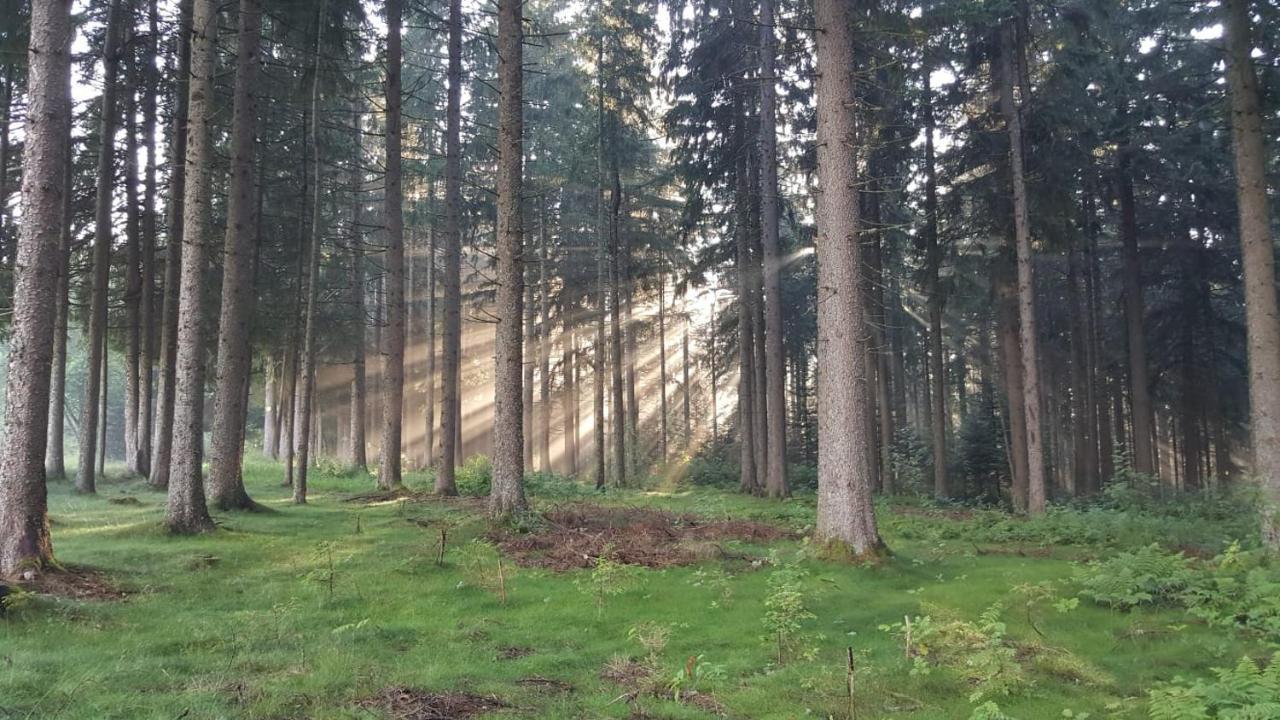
(1011, 107)
(662, 357)
(25, 542)
(393, 359)
(133, 257)
(1011, 357)
(103, 206)
(530, 349)
(933, 290)
(1139, 384)
(775, 389)
(879, 331)
(569, 390)
(54, 458)
(429, 396)
(684, 370)
(187, 512)
(230, 411)
(1084, 446)
(147, 390)
(846, 521)
(307, 397)
(269, 401)
(619, 410)
(101, 458)
(451, 340)
(599, 360)
(749, 473)
(162, 437)
(359, 384)
(507, 494)
(544, 345)
(1259, 265)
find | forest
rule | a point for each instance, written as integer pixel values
(688, 359)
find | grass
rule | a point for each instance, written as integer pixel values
(302, 612)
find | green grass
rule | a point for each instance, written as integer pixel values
(242, 623)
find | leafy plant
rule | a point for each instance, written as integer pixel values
(717, 580)
(693, 674)
(653, 637)
(475, 476)
(979, 650)
(608, 578)
(1244, 692)
(483, 568)
(785, 608)
(1148, 575)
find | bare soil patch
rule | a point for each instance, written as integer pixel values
(576, 534)
(403, 703)
(75, 582)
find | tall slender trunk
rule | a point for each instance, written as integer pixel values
(662, 356)
(619, 413)
(1084, 446)
(879, 332)
(54, 458)
(101, 458)
(355, 239)
(775, 390)
(25, 542)
(230, 409)
(307, 397)
(627, 286)
(759, 419)
(393, 360)
(429, 396)
(1139, 384)
(569, 390)
(1011, 358)
(935, 299)
(846, 521)
(599, 360)
(451, 342)
(684, 370)
(507, 494)
(1259, 265)
(544, 344)
(162, 436)
(1028, 340)
(146, 392)
(530, 349)
(133, 255)
(186, 511)
(748, 471)
(97, 337)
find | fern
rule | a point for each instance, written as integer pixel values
(1244, 692)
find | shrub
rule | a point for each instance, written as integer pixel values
(1144, 576)
(713, 471)
(1240, 589)
(978, 650)
(475, 476)
(553, 486)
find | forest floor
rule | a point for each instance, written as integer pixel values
(348, 608)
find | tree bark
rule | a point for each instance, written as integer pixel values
(186, 511)
(1085, 448)
(1006, 298)
(846, 521)
(393, 360)
(775, 390)
(1139, 384)
(146, 392)
(599, 360)
(25, 542)
(429, 399)
(506, 496)
(662, 356)
(230, 409)
(162, 436)
(97, 336)
(748, 471)
(1259, 265)
(569, 389)
(544, 344)
(359, 383)
(1027, 339)
(133, 256)
(616, 354)
(451, 340)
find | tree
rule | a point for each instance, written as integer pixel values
(25, 543)
(230, 413)
(187, 513)
(162, 435)
(1259, 264)
(451, 331)
(775, 390)
(103, 205)
(507, 494)
(393, 359)
(1027, 340)
(846, 519)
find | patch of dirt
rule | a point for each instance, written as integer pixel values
(544, 684)
(124, 500)
(403, 703)
(576, 534)
(77, 583)
(514, 653)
